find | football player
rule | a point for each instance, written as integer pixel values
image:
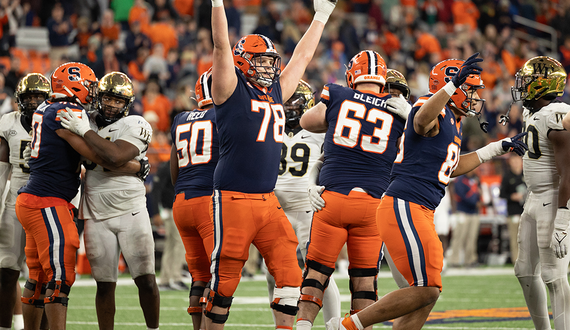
(192, 162)
(427, 158)
(360, 145)
(300, 150)
(248, 90)
(113, 205)
(43, 205)
(543, 242)
(15, 128)
(396, 84)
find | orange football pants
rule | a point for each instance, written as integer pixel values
(349, 219)
(241, 219)
(51, 237)
(409, 233)
(192, 218)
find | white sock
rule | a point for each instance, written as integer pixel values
(18, 322)
(147, 328)
(304, 325)
(357, 322)
(1, 328)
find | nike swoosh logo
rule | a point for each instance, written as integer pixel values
(536, 118)
(305, 136)
(135, 213)
(112, 130)
(545, 204)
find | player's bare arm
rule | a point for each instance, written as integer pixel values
(116, 153)
(305, 49)
(315, 120)
(174, 170)
(425, 120)
(81, 146)
(224, 79)
(561, 144)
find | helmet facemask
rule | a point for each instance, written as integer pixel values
(466, 99)
(261, 72)
(111, 107)
(29, 102)
(540, 77)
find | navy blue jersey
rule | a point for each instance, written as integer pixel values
(195, 136)
(250, 127)
(54, 164)
(424, 164)
(361, 142)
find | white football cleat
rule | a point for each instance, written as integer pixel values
(335, 323)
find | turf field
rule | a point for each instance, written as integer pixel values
(482, 298)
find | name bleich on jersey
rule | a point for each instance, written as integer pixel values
(376, 101)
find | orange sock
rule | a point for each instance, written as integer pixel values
(348, 324)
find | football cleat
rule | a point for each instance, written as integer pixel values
(117, 85)
(31, 91)
(335, 323)
(255, 55)
(465, 98)
(366, 66)
(75, 81)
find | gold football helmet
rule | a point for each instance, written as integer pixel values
(396, 80)
(539, 77)
(31, 91)
(302, 100)
(115, 85)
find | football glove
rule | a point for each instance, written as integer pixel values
(27, 153)
(144, 170)
(317, 202)
(77, 125)
(468, 67)
(559, 244)
(503, 146)
(399, 106)
(323, 9)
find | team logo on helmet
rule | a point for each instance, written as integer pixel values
(539, 77)
(74, 81)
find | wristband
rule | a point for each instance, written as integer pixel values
(450, 88)
(217, 3)
(321, 17)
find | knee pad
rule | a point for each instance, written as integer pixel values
(57, 287)
(310, 282)
(197, 291)
(371, 295)
(551, 274)
(214, 299)
(35, 299)
(286, 299)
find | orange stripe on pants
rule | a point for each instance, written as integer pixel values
(241, 219)
(192, 218)
(409, 233)
(349, 219)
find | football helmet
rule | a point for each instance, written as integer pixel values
(32, 90)
(539, 77)
(396, 80)
(74, 80)
(301, 101)
(203, 89)
(117, 85)
(250, 56)
(366, 66)
(465, 98)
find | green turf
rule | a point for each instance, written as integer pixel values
(459, 306)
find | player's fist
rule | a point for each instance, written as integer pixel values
(515, 144)
(27, 153)
(323, 9)
(144, 170)
(468, 68)
(559, 244)
(317, 202)
(399, 106)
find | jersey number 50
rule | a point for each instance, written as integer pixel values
(196, 147)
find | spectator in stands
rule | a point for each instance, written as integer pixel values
(204, 50)
(108, 28)
(140, 11)
(463, 245)
(108, 61)
(83, 33)
(121, 9)
(154, 100)
(163, 9)
(513, 190)
(164, 32)
(465, 13)
(136, 71)
(428, 48)
(5, 96)
(93, 52)
(155, 64)
(14, 74)
(234, 20)
(187, 34)
(135, 39)
(59, 28)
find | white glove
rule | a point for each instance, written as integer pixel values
(314, 190)
(323, 9)
(77, 125)
(399, 106)
(27, 153)
(560, 238)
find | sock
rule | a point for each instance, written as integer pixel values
(2, 328)
(304, 325)
(18, 322)
(357, 322)
(147, 328)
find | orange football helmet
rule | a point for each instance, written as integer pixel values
(465, 98)
(366, 66)
(74, 80)
(248, 54)
(202, 91)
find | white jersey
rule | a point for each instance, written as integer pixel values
(299, 153)
(109, 194)
(17, 136)
(539, 168)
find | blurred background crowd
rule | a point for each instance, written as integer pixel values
(164, 45)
